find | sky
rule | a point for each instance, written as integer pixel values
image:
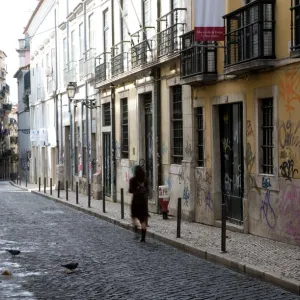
(14, 17)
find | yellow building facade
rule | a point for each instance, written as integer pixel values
(215, 122)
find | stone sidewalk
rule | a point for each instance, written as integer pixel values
(275, 262)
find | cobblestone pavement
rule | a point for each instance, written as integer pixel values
(112, 265)
(270, 256)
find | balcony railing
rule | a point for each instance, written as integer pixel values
(119, 59)
(250, 33)
(6, 88)
(102, 66)
(197, 58)
(295, 28)
(172, 26)
(40, 93)
(87, 65)
(143, 46)
(7, 107)
(50, 86)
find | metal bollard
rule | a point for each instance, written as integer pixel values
(223, 230)
(122, 203)
(76, 192)
(103, 198)
(67, 190)
(58, 189)
(45, 185)
(39, 184)
(89, 195)
(178, 217)
(51, 186)
(26, 180)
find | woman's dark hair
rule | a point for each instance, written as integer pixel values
(139, 173)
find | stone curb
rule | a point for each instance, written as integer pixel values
(253, 271)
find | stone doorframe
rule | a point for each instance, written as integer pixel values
(216, 155)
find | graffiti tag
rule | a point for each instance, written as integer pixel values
(288, 170)
(268, 211)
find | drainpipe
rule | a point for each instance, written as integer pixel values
(113, 133)
(87, 110)
(55, 95)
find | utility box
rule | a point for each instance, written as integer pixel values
(164, 199)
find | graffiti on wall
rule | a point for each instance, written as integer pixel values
(288, 90)
(249, 129)
(289, 208)
(267, 210)
(203, 183)
(288, 170)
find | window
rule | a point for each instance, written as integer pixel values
(200, 136)
(267, 130)
(147, 13)
(73, 46)
(105, 31)
(65, 52)
(124, 21)
(125, 138)
(106, 114)
(91, 31)
(81, 40)
(177, 124)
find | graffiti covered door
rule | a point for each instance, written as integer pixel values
(231, 143)
(148, 140)
(107, 163)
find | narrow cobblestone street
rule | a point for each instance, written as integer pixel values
(112, 265)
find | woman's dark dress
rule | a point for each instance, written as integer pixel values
(139, 204)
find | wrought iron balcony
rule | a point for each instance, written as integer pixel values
(172, 26)
(198, 61)
(142, 46)
(295, 28)
(102, 66)
(7, 107)
(87, 65)
(6, 88)
(50, 85)
(250, 37)
(119, 58)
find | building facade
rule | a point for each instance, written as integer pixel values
(5, 109)
(215, 122)
(22, 122)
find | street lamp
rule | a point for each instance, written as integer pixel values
(71, 90)
(89, 103)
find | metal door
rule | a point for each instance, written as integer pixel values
(149, 141)
(107, 163)
(231, 143)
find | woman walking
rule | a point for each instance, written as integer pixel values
(138, 186)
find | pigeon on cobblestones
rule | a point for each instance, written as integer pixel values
(70, 267)
(13, 252)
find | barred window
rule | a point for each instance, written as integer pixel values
(267, 129)
(200, 136)
(125, 137)
(106, 114)
(177, 124)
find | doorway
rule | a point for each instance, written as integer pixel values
(232, 170)
(107, 163)
(148, 165)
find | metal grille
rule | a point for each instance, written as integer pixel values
(250, 32)
(267, 135)
(295, 24)
(125, 137)
(197, 58)
(168, 40)
(177, 125)
(200, 136)
(106, 114)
